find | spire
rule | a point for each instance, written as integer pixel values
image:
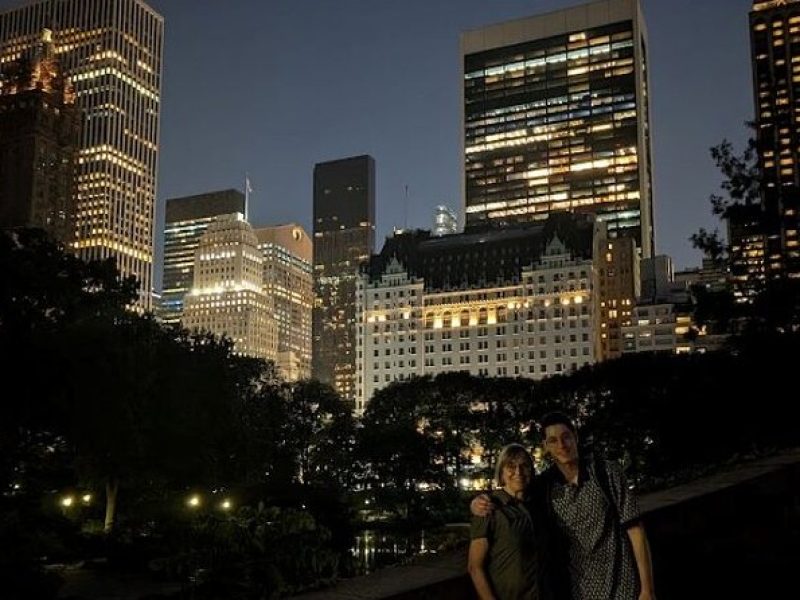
(40, 70)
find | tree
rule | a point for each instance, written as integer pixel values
(742, 176)
(394, 444)
(321, 434)
(132, 404)
(775, 303)
(502, 413)
(741, 186)
(45, 291)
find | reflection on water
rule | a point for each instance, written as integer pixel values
(374, 549)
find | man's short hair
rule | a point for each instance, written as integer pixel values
(557, 418)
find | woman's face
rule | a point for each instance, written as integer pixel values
(517, 474)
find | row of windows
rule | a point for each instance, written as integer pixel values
(500, 371)
(484, 344)
(500, 357)
(571, 323)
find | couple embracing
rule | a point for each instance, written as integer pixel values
(572, 533)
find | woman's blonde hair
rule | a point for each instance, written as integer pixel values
(507, 454)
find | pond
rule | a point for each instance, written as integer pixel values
(374, 549)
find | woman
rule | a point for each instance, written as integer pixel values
(504, 554)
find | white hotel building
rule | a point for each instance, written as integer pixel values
(518, 302)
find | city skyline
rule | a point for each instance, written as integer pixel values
(112, 57)
(279, 129)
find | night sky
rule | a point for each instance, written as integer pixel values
(272, 87)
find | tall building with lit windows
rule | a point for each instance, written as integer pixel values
(40, 129)
(344, 238)
(186, 220)
(289, 283)
(227, 296)
(112, 54)
(556, 117)
(775, 45)
(747, 244)
(619, 285)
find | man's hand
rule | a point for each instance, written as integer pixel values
(481, 506)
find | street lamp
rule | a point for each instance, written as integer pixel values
(193, 501)
(226, 505)
(87, 498)
(67, 501)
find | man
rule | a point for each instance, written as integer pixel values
(595, 517)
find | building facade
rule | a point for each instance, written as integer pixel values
(445, 221)
(668, 328)
(618, 287)
(289, 283)
(556, 118)
(227, 296)
(186, 220)
(657, 328)
(40, 132)
(658, 277)
(775, 47)
(344, 239)
(112, 54)
(747, 244)
(518, 302)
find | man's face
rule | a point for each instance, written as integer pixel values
(561, 444)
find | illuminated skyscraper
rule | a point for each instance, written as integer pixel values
(185, 222)
(556, 118)
(289, 283)
(775, 41)
(40, 129)
(111, 51)
(344, 238)
(227, 297)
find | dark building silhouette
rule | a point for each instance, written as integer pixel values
(40, 129)
(344, 239)
(775, 47)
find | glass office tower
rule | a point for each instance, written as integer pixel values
(556, 118)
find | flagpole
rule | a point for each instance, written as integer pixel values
(246, 196)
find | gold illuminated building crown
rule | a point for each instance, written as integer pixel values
(759, 5)
(41, 71)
